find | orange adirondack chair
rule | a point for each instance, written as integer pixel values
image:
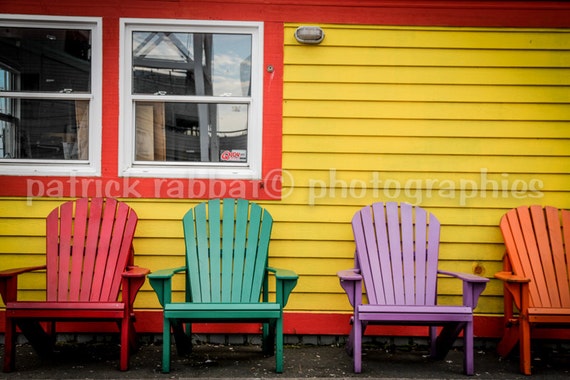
(536, 275)
(89, 261)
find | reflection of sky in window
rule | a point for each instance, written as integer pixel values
(231, 56)
(230, 53)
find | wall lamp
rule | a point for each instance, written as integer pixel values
(309, 35)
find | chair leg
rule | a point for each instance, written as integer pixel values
(511, 336)
(125, 343)
(468, 361)
(9, 344)
(182, 337)
(279, 346)
(350, 343)
(166, 346)
(447, 336)
(357, 349)
(268, 338)
(524, 346)
(133, 338)
(432, 341)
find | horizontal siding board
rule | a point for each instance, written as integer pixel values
(426, 145)
(23, 227)
(33, 208)
(160, 228)
(344, 180)
(428, 128)
(311, 231)
(426, 93)
(323, 249)
(418, 162)
(31, 245)
(427, 110)
(435, 199)
(343, 214)
(480, 76)
(343, 232)
(418, 57)
(157, 245)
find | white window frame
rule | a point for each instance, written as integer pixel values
(92, 166)
(128, 167)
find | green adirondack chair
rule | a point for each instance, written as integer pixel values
(226, 272)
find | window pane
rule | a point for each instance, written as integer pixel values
(45, 129)
(52, 60)
(191, 64)
(191, 132)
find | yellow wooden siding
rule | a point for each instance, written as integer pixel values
(464, 122)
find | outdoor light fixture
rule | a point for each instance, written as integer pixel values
(309, 34)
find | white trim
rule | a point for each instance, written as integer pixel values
(92, 166)
(127, 166)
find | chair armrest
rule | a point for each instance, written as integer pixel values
(9, 282)
(349, 275)
(351, 282)
(516, 291)
(161, 282)
(164, 274)
(285, 282)
(283, 274)
(133, 279)
(464, 276)
(17, 271)
(473, 286)
(510, 277)
(135, 271)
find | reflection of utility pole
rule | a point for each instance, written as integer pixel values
(200, 90)
(209, 145)
(214, 138)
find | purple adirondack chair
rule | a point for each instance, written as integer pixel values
(397, 256)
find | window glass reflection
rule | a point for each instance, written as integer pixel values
(47, 129)
(48, 60)
(201, 64)
(194, 132)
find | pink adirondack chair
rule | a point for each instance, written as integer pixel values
(89, 261)
(396, 256)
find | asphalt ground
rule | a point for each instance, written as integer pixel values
(96, 360)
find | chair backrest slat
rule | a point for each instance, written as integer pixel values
(228, 238)
(52, 254)
(91, 249)
(397, 253)
(421, 256)
(237, 251)
(226, 250)
(566, 237)
(535, 239)
(258, 247)
(88, 245)
(432, 259)
(120, 250)
(214, 261)
(79, 236)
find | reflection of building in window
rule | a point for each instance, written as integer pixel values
(190, 67)
(35, 62)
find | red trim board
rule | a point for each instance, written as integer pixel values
(295, 323)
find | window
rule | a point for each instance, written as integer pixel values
(192, 94)
(50, 95)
